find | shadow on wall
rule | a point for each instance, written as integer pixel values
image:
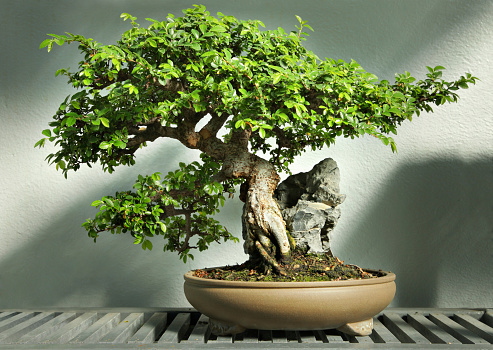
(61, 262)
(432, 225)
(61, 267)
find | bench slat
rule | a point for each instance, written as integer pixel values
(430, 330)
(464, 335)
(98, 329)
(150, 330)
(402, 330)
(13, 334)
(476, 326)
(124, 330)
(200, 332)
(174, 333)
(71, 329)
(42, 332)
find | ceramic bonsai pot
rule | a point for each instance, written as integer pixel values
(236, 306)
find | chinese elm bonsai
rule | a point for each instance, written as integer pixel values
(232, 91)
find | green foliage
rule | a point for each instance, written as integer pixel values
(160, 81)
(178, 208)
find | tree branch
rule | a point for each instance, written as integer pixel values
(214, 125)
(152, 131)
(283, 140)
(240, 138)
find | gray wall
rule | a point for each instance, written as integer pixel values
(424, 213)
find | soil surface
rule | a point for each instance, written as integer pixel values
(302, 268)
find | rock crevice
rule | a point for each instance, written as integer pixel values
(310, 205)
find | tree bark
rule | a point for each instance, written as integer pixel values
(264, 229)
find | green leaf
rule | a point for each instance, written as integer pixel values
(120, 144)
(262, 133)
(398, 95)
(105, 145)
(227, 53)
(105, 122)
(75, 104)
(40, 143)
(393, 145)
(71, 121)
(60, 165)
(277, 77)
(195, 95)
(96, 203)
(126, 16)
(220, 29)
(46, 132)
(45, 43)
(209, 53)
(147, 245)
(308, 26)
(203, 28)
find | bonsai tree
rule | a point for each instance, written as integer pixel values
(250, 100)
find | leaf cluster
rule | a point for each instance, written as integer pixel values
(178, 207)
(178, 71)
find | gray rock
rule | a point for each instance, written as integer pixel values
(309, 204)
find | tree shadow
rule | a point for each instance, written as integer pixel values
(432, 225)
(60, 266)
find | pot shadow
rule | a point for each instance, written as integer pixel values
(432, 225)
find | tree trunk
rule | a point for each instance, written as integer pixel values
(264, 229)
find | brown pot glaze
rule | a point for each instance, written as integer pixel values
(290, 305)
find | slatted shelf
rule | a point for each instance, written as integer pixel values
(188, 329)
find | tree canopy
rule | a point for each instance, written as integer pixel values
(198, 77)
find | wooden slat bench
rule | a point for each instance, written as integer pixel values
(188, 329)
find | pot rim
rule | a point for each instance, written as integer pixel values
(387, 278)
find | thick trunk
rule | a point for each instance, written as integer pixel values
(264, 229)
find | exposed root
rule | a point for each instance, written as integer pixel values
(292, 242)
(357, 268)
(269, 259)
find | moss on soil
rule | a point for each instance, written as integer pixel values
(302, 267)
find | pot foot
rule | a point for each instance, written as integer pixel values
(358, 328)
(223, 328)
